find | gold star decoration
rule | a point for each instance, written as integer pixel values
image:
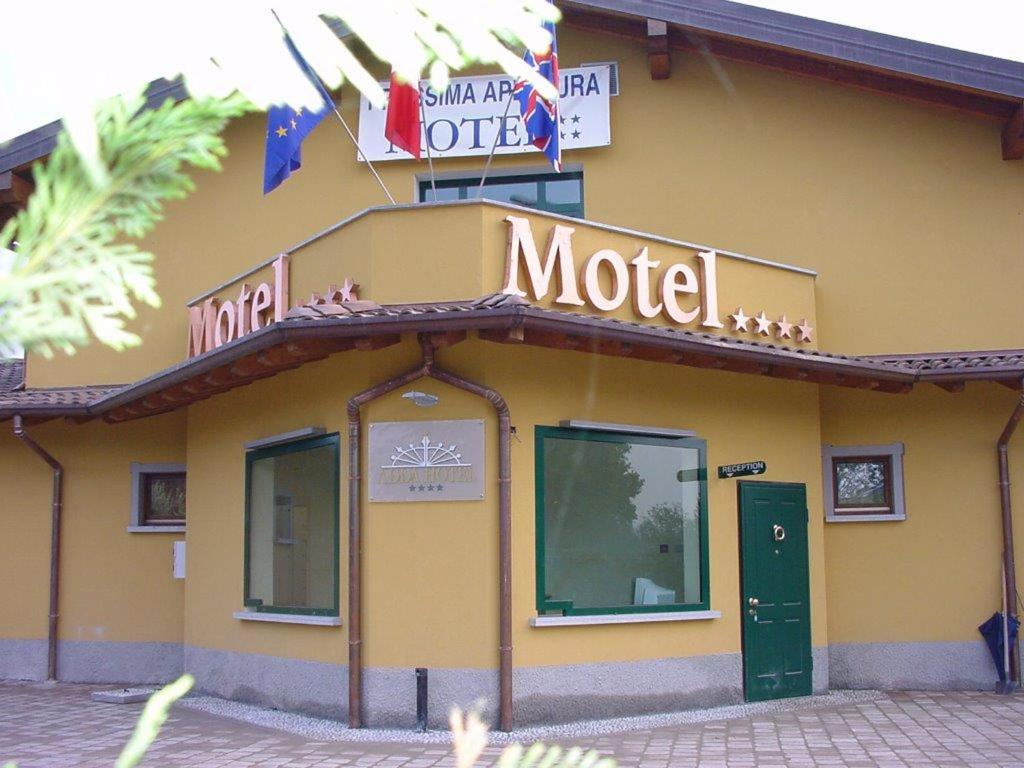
(764, 325)
(349, 290)
(785, 328)
(805, 330)
(281, 131)
(740, 321)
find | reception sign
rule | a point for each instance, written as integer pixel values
(427, 460)
(466, 118)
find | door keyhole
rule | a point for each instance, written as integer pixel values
(778, 532)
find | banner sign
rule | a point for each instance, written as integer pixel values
(426, 460)
(465, 119)
(745, 469)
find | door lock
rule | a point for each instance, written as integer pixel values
(778, 532)
(753, 602)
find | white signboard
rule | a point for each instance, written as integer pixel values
(466, 118)
(426, 460)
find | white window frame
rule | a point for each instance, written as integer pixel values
(892, 451)
(135, 524)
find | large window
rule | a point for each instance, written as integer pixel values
(553, 192)
(621, 523)
(863, 482)
(291, 527)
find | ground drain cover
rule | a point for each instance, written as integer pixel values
(123, 695)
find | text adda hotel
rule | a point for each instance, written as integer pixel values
(484, 437)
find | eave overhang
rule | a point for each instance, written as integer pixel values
(319, 331)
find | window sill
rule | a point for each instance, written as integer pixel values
(155, 529)
(289, 618)
(623, 618)
(865, 518)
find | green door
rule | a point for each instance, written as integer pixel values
(775, 590)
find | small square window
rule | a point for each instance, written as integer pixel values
(158, 498)
(163, 498)
(863, 482)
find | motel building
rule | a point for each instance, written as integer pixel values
(722, 412)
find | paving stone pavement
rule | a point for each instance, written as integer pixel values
(54, 726)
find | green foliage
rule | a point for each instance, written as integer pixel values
(151, 720)
(76, 271)
(542, 756)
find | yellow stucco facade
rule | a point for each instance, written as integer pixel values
(889, 226)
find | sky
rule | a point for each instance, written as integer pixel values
(990, 27)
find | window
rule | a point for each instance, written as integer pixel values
(291, 527)
(621, 523)
(158, 498)
(552, 192)
(863, 482)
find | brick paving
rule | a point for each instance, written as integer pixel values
(60, 726)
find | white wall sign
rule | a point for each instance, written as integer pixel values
(426, 460)
(465, 119)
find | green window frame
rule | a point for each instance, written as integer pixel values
(566, 607)
(332, 441)
(465, 187)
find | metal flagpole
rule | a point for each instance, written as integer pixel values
(303, 65)
(360, 151)
(426, 138)
(494, 146)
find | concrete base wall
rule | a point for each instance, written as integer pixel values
(820, 670)
(912, 666)
(589, 691)
(295, 685)
(83, 661)
(22, 659)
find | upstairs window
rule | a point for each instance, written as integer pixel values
(291, 527)
(863, 482)
(621, 523)
(560, 193)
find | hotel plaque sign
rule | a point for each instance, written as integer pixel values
(745, 469)
(426, 460)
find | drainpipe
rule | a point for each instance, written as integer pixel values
(58, 503)
(1009, 565)
(427, 369)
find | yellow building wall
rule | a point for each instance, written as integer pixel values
(114, 585)
(936, 575)
(430, 570)
(906, 210)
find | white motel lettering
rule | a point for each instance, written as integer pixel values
(584, 287)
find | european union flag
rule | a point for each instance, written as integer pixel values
(287, 127)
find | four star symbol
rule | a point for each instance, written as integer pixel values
(785, 328)
(740, 321)
(349, 290)
(764, 325)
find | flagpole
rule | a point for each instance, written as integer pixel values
(426, 137)
(327, 97)
(363, 154)
(494, 146)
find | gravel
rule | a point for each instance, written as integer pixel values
(319, 729)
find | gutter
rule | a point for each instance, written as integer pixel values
(428, 369)
(1005, 504)
(55, 520)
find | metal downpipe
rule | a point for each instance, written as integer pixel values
(57, 508)
(1009, 561)
(427, 369)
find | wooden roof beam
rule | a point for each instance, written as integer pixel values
(14, 190)
(1013, 135)
(658, 55)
